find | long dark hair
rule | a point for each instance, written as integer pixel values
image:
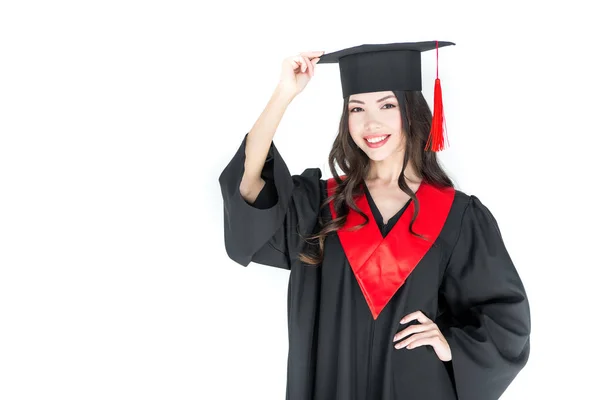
(354, 163)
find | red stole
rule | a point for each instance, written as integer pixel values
(382, 265)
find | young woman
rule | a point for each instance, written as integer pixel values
(400, 285)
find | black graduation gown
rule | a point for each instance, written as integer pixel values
(466, 283)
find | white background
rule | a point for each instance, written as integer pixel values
(117, 117)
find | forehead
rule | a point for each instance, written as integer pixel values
(371, 96)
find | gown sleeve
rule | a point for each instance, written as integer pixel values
(489, 336)
(269, 231)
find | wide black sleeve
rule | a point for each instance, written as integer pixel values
(272, 230)
(489, 338)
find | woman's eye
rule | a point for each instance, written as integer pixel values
(387, 104)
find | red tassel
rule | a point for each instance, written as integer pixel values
(437, 138)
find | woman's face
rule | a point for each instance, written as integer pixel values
(375, 124)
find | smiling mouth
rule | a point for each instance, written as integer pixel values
(376, 141)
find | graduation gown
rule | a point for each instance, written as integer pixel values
(341, 328)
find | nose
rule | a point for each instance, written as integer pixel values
(370, 120)
(372, 126)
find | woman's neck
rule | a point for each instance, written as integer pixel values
(387, 172)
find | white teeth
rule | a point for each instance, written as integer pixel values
(377, 139)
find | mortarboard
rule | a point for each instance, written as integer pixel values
(390, 66)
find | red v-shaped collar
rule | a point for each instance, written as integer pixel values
(382, 265)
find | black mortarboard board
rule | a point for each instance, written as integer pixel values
(380, 67)
(389, 66)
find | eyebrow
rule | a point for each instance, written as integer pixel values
(362, 102)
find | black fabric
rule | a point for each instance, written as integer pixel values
(380, 67)
(466, 283)
(384, 228)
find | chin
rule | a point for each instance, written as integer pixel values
(380, 154)
(377, 155)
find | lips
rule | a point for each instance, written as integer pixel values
(382, 139)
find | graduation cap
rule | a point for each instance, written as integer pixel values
(390, 66)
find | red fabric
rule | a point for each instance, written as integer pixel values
(382, 265)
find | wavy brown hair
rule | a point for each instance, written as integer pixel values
(354, 163)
